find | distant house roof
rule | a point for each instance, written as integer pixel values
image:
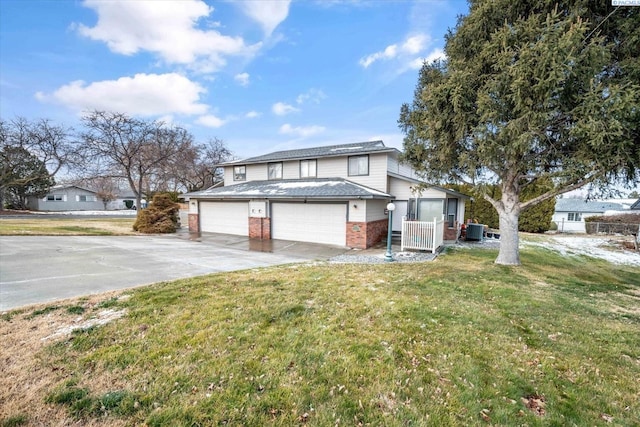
(580, 205)
(67, 186)
(324, 188)
(636, 205)
(311, 153)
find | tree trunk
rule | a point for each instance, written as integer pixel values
(508, 217)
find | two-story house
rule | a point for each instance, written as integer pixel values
(333, 195)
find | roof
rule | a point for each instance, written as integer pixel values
(315, 152)
(580, 205)
(327, 188)
(636, 205)
(66, 186)
(450, 192)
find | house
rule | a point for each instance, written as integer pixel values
(66, 198)
(569, 214)
(334, 195)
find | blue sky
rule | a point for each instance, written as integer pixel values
(261, 75)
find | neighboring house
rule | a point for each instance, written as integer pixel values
(333, 195)
(125, 201)
(569, 214)
(635, 206)
(66, 198)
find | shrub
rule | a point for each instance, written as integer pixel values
(160, 217)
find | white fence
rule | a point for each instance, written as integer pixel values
(422, 235)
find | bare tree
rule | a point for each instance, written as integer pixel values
(41, 142)
(197, 169)
(119, 146)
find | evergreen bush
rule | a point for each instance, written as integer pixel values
(162, 216)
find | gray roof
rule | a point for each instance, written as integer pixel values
(315, 152)
(580, 205)
(326, 188)
(636, 205)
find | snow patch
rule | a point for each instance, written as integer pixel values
(103, 317)
(590, 246)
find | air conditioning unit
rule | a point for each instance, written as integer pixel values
(475, 231)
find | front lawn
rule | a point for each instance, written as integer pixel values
(457, 341)
(44, 226)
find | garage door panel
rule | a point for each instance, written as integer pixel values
(310, 222)
(225, 217)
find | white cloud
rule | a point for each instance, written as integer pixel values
(252, 115)
(301, 131)
(211, 121)
(242, 79)
(414, 44)
(166, 28)
(282, 109)
(142, 94)
(268, 13)
(436, 54)
(312, 95)
(410, 47)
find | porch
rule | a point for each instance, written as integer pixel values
(422, 235)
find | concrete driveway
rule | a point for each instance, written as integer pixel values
(41, 269)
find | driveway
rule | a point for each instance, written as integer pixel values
(41, 269)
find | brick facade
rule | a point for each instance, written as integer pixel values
(451, 233)
(260, 228)
(362, 235)
(194, 224)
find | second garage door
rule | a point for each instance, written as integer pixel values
(310, 222)
(225, 217)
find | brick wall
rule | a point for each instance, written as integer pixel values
(451, 233)
(194, 225)
(260, 228)
(363, 235)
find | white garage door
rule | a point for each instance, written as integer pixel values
(310, 222)
(225, 217)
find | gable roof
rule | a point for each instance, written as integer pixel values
(636, 205)
(580, 205)
(323, 188)
(315, 152)
(67, 186)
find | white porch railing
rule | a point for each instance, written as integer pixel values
(422, 235)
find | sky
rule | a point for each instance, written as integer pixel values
(260, 75)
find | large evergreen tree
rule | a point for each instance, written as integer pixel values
(531, 90)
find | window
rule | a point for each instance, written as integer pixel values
(575, 216)
(358, 165)
(452, 212)
(239, 173)
(54, 197)
(85, 198)
(308, 168)
(275, 170)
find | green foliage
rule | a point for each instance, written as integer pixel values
(76, 309)
(15, 421)
(536, 219)
(82, 404)
(43, 311)
(22, 175)
(162, 216)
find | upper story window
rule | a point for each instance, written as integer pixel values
(54, 198)
(308, 168)
(275, 170)
(574, 216)
(239, 173)
(358, 165)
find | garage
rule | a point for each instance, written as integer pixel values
(324, 223)
(225, 217)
